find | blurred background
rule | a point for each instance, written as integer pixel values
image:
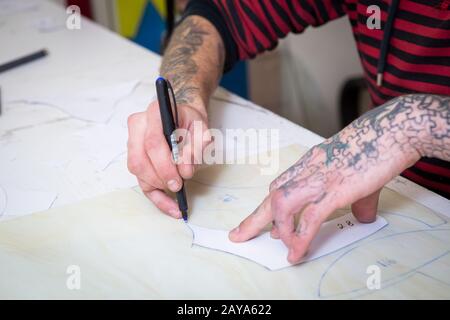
(300, 80)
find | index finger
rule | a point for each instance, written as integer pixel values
(251, 226)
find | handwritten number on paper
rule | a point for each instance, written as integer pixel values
(347, 223)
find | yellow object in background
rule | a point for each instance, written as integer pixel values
(160, 6)
(130, 13)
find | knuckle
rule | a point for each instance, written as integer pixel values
(310, 216)
(273, 185)
(133, 118)
(132, 144)
(145, 187)
(156, 201)
(277, 202)
(153, 196)
(134, 164)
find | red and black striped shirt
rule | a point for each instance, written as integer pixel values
(416, 60)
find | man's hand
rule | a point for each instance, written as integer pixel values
(351, 168)
(150, 159)
(193, 63)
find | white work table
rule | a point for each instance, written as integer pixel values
(52, 155)
(35, 129)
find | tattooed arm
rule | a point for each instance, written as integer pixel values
(351, 168)
(193, 62)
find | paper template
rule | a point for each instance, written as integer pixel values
(272, 253)
(17, 201)
(421, 195)
(95, 105)
(10, 7)
(86, 157)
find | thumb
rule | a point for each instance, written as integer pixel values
(365, 209)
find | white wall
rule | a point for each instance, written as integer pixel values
(59, 2)
(104, 13)
(312, 67)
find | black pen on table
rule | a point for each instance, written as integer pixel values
(23, 60)
(168, 124)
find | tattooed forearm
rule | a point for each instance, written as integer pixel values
(418, 122)
(400, 131)
(189, 63)
(178, 64)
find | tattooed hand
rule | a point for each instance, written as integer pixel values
(193, 63)
(351, 168)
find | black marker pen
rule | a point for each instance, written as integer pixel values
(168, 124)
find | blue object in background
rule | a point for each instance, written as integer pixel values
(150, 33)
(236, 80)
(150, 30)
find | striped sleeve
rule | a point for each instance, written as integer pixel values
(250, 27)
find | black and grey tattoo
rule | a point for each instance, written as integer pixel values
(417, 123)
(179, 65)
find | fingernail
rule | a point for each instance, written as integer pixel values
(175, 213)
(173, 185)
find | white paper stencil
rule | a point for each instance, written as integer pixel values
(272, 253)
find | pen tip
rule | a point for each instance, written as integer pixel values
(184, 215)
